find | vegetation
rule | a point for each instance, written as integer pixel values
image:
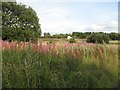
(47, 35)
(27, 65)
(114, 36)
(98, 38)
(72, 40)
(19, 22)
(81, 35)
(50, 42)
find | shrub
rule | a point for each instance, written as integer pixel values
(114, 36)
(98, 38)
(72, 40)
(50, 42)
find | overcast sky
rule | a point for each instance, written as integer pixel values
(73, 15)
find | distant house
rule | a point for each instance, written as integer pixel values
(69, 37)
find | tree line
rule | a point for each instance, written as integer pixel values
(83, 35)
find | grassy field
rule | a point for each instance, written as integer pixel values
(62, 41)
(80, 65)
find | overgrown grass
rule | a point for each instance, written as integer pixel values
(67, 67)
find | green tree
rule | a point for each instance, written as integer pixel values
(59, 36)
(47, 35)
(79, 35)
(98, 38)
(114, 36)
(19, 22)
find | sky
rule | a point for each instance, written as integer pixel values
(76, 16)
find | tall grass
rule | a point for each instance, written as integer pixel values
(60, 66)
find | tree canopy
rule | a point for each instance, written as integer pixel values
(98, 38)
(19, 22)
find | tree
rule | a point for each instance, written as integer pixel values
(114, 36)
(19, 22)
(98, 38)
(59, 36)
(79, 35)
(47, 35)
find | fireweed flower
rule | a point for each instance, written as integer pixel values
(4, 44)
(12, 45)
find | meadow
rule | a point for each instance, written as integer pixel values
(61, 65)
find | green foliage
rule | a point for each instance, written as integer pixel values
(98, 38)
(32, 69)
(50, 42)
(72, 40)
(19, 22)
(59, 36)
(47, 35)
(114, 36)
(80, 34)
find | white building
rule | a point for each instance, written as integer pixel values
(69, 37)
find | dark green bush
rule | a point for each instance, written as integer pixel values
(72, 40)
(114, 36)
(50, 42)
(98, 38)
